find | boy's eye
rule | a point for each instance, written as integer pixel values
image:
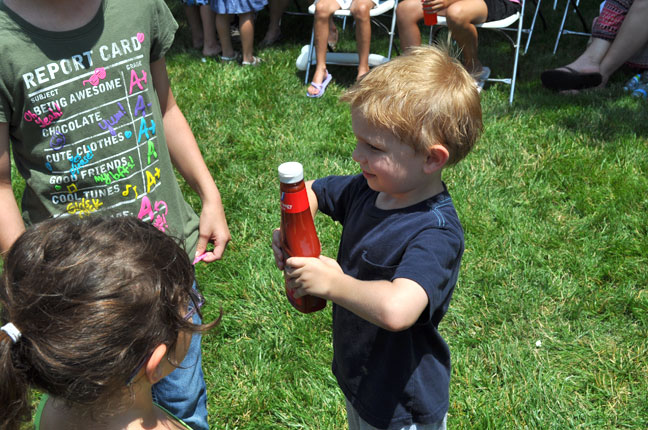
(373, 148)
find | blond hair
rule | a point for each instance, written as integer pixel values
(424, 97)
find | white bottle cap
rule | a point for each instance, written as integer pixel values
(291, 172)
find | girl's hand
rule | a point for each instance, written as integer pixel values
(212, 228)
(435, 6)
(277, 250)
(312, 276)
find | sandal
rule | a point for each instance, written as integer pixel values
(256, 61)
(321, 88)
(234, 58)
(566, 78)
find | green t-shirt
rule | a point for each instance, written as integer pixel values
(84, 118)
(39, 413)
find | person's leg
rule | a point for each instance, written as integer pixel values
(461, 18)
(360, 11)
(333, 34)
(223, 29)
(246, 27)
(183, 392)
(211, 47)
(409, 13)
(590, 60)
(585, 71)
(193, 19)
(631, 37)
(324, 9)
(277, 8)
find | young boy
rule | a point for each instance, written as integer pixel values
(94, 128)
(323, 26)
(402, 242)
(461, 17)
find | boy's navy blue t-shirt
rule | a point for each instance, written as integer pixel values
(393, 379)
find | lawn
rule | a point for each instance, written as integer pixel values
(548, 326)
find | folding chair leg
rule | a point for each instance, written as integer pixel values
(517, 54)
(561, 31)
(535, 17)
(562, 25)
(392, 31)
(310, 55)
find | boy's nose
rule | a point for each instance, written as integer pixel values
(356, 156)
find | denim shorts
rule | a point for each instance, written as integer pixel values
(183, 392)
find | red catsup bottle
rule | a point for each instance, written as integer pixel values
(298, 235)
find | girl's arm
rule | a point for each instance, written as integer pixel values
(10, 219)
(186, 157)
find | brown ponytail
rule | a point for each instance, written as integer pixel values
(14, 395)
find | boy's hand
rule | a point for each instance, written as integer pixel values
(212, 228)
(314, 276)
(277, 250)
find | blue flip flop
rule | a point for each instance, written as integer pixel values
(321, 88)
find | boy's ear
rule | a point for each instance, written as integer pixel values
(437, 157)
(154, 371)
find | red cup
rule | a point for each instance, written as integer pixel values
(429, 18)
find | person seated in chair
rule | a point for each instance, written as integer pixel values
(461, 17)
(324, 26)
(619, 35)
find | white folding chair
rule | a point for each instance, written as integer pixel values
(306, 57)
(502, 25)
(562, 30)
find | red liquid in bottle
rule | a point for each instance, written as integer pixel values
(298, 235)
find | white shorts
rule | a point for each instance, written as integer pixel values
(346, 4)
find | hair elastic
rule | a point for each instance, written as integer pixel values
(12, 331)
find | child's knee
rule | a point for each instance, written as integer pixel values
(409, 10)
(360, 9)
(457, 14)
(460, 14)
(326, 8)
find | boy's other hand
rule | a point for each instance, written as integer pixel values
(312, 276)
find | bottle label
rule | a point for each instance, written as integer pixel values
(293, 203)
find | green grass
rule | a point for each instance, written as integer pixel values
(554, 205)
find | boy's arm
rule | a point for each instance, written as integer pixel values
(393, 305)
(312, 198)
(186, 157)
(10, 218)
